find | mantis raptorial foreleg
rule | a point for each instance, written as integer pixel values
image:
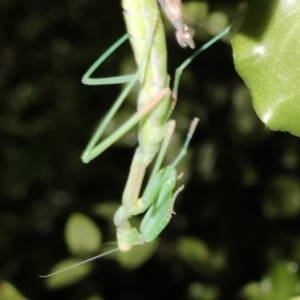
(158, 198)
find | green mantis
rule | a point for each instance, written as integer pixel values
(155, 105)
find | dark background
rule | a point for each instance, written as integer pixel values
(242, 198)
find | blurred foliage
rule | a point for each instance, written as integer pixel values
(9, 292)
(281, 282)
(235, 235)
(82, 235)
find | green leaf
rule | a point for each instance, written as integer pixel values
(106, 209)
(195, 14)
(9, 292)
(216, 22)
(266, 54)
(284, 280)
(280, 283)
(82, 235)
(282, 198)
(193, 251)
(68, 277)
(94, 297)
(199, 290)
(252, 291)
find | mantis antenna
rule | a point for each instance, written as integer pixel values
(81, 263)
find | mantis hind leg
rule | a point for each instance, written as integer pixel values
(180, 69)
(94, 148)
(86, 79)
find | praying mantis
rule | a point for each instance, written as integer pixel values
(155, 105)
(156, 102)
(154, 108)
